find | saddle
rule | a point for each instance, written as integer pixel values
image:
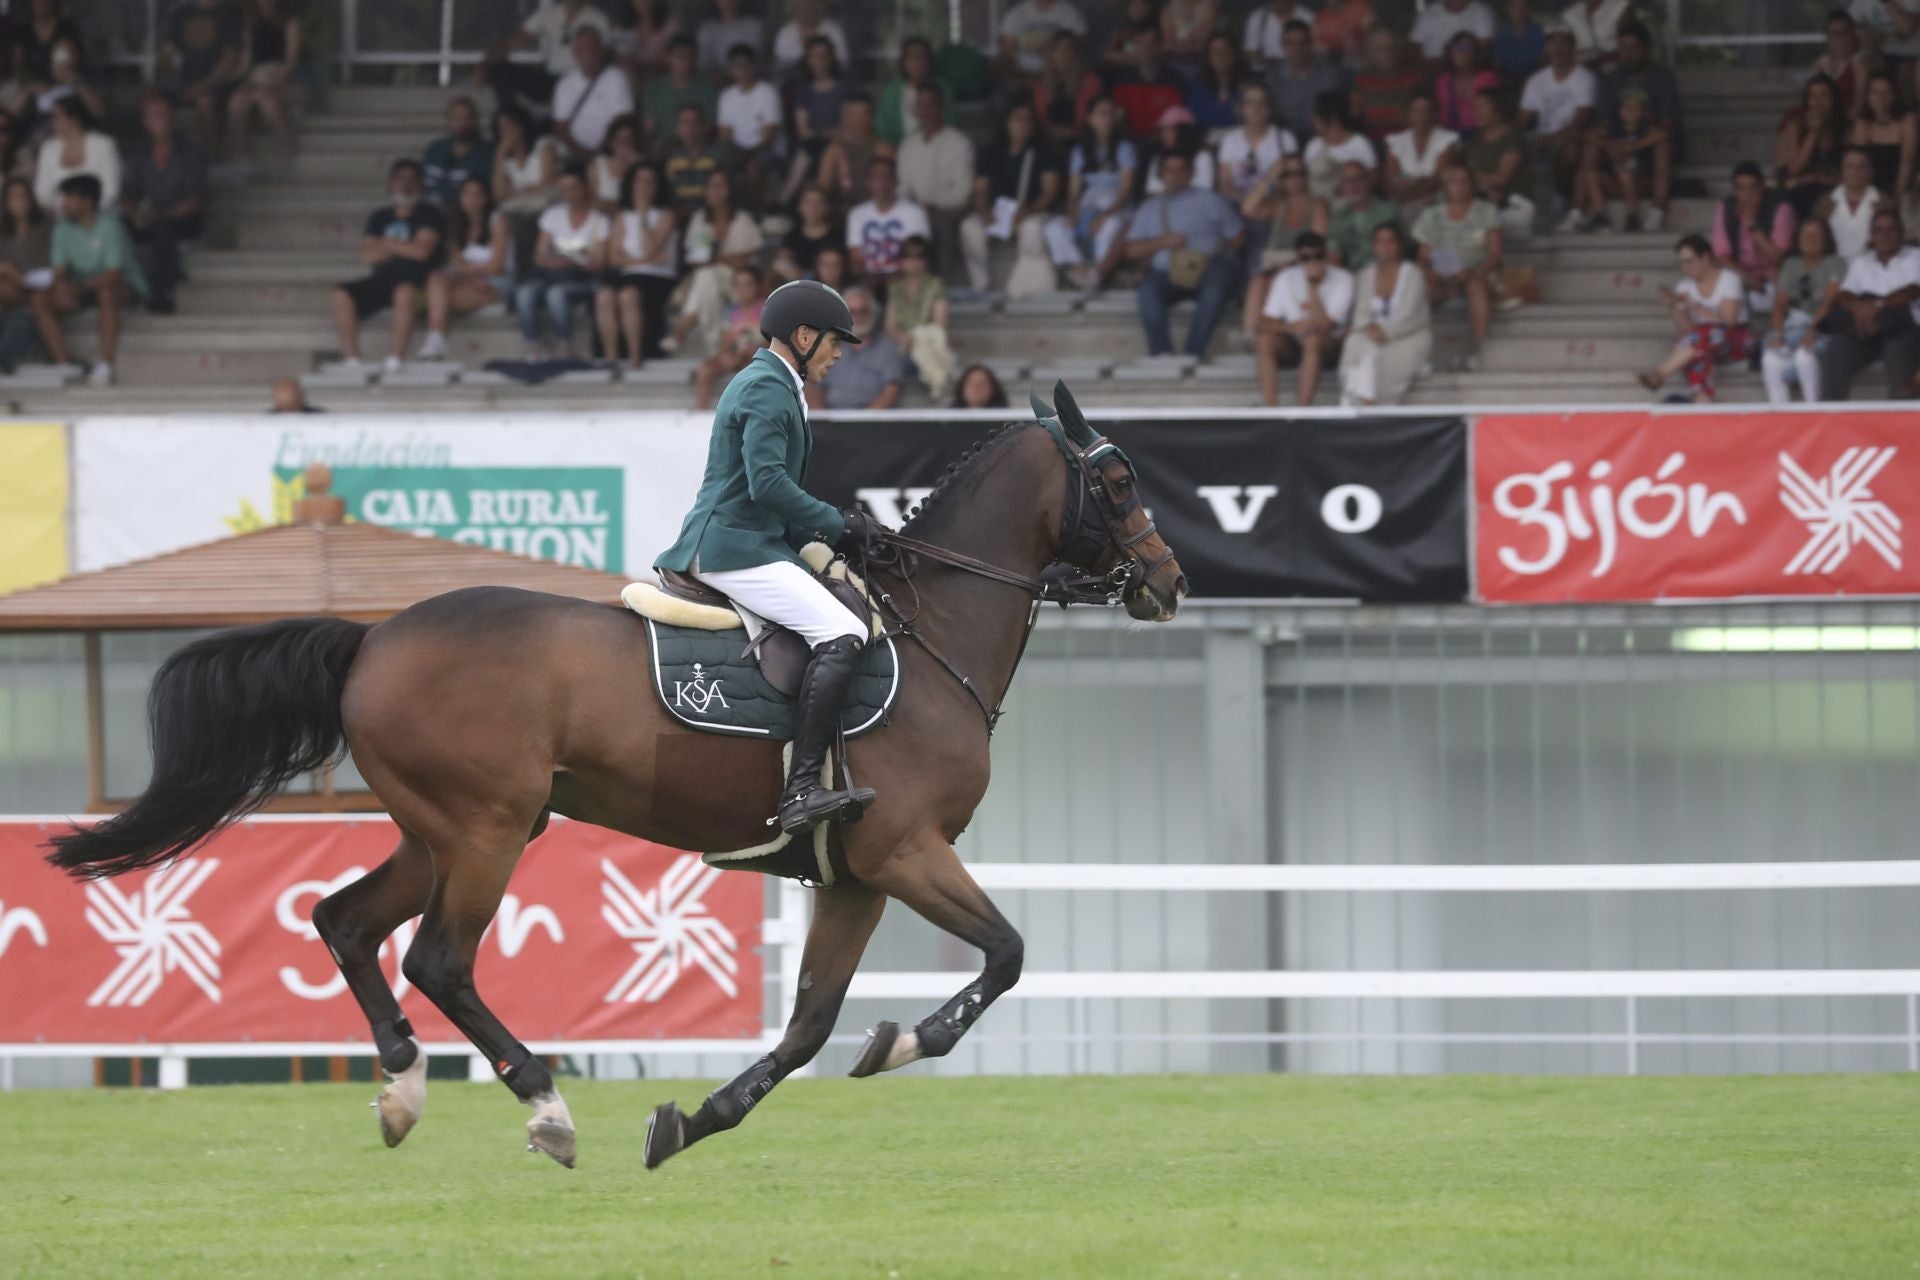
(782, 655)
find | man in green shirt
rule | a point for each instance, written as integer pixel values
(1357, 210)
(682, 86)
(93, 264)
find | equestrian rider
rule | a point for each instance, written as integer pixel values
(751, 515)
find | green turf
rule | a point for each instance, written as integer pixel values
(1037, 1178)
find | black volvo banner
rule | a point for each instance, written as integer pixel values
(1367, 508)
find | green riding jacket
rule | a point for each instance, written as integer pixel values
(751, 509)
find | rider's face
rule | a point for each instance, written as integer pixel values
(825, 356)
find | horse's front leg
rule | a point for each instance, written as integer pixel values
(844, 917)
(934, 882)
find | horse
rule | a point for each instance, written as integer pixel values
(477, 714)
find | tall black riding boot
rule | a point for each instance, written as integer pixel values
(823, 691)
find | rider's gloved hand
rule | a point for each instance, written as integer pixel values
(861, 528)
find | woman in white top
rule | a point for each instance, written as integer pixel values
(524, 171)
(1709, 318)
(1390, 338)
(643, 260)
(479, 270)
(619, 152)
(1336, 142)
(75, 147)
(1417, 153)
(1255, 147)
(719, 238)
(567, 259)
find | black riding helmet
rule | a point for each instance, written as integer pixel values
(813, 304)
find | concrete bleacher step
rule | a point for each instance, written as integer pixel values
(389, 100)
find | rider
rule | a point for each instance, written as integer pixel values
(751, 514)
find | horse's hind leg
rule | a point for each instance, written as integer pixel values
(844, 917)
(353, 923)
(934, 882)
(471, 874)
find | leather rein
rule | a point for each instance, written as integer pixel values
(1110, 589)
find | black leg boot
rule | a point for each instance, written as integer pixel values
(823, 691)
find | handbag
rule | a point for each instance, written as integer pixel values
(1185, 267)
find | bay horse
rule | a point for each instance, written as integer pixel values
(476, 714)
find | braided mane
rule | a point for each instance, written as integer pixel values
(962, 467)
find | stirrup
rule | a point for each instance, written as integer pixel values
(810, 808)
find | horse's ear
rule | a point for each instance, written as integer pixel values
(1041, 409)
(1070, 416)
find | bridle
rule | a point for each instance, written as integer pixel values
(1091, 524)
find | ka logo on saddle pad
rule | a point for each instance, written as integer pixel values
(699, 693)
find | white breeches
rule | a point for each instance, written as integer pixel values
(785, 593)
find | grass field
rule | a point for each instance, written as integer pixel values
(1254, 1176)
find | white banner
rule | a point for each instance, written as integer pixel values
(604, 491)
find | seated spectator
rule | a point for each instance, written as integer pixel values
(1189, 240)
(1496, 150)
(1214, 95)
(1028, 27)
(1148, 88)
(271, 56)
(749, 117)
(1752, 232)
(830, 269)
(1629, 156)
(1887, 134)
(807, 24)
(1709, 319)
(1341, 28)
(726, 31)
(1279, 210)
(1811, 138)
(898, 115)
(1120, 54)
(1384, 89)
(526, 173)
(76, 147)
(680, 86)
(1335, 142)
(619, 152)
(1556, 111)
(461, 154)
(1062, 92)
(290, 397)
(819, 92)
(1358, 211)
(590, 97)
(1390, 334)
(1437, 26)
(643, 262)
(1417, 154)
(1519, 44)
(848, 159)
(403, 243)
(978, 388)
(1596, 26)
(1017, 185)
(1844, 61)
(936, 172)
(1808, 291)
(567, 259)
(16, 157)
(1298, 76)
(1178, 133)
(26, 267)
(93, 263)
(199, 60)
(1873, 316)
(642, 46)
(1254, 148)
(37, 34)
(551, 28)
(1461, 79)
(1461, 252)
(165, 198)
(1303, 320)
(1185, 28)
(740, 335)
(1264, 38)
(719, 238)
(1849, 208)
(1635, 69)
(69, 81)
(1890, 31)
(877, 228)
(692, 159)
(1102, 172)
(917, 317)
(813, 231)
(479, 265)
(870, 374)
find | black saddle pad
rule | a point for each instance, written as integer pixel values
(707, 680)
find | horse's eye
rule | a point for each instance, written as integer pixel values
(1123, 484)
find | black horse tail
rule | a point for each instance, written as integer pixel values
(233, 717)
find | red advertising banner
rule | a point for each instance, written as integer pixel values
(1637, 506)
(600, 937)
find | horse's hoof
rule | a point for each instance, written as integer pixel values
(874, 1054)
(402, 1102)
(666, 1134)
(547, 1134)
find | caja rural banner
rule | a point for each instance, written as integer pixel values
(600, 937)
(1632, 506)
(1367, 508)
(33, 503)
